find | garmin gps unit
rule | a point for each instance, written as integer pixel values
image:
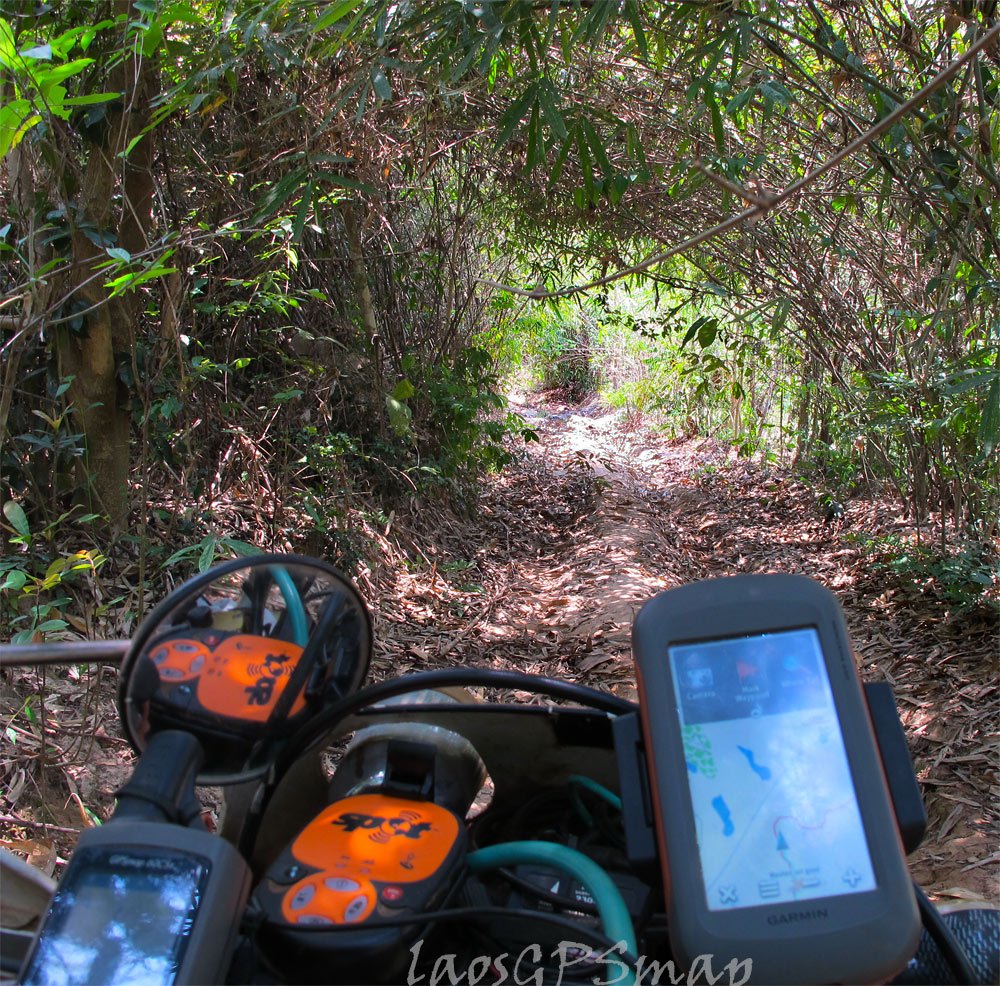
(142, 902)
(773, 820)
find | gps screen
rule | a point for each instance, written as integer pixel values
(776, 814)
(125, 918)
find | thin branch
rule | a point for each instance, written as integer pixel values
(30, 823)
(886, 123)
(761, 201)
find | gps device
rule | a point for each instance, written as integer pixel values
(142, 902)
(357, 869)
(775, 829)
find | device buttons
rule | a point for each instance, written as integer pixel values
(302, 897)
(356, 910)
(392, 896)
(728, 895)
(342, 883)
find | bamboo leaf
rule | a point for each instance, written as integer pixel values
(92, 99)
(989, 424)
(547, 100)
(14, 512)
(305, 203)
(381, 85)
(516, 112)
(333, 14)
(597, 146)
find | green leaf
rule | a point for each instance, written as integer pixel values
(302, 213)
(381, 85)
(547, 100)
(132, 144)
(403, 390)
(241, 548)
(207, 555)
(516, 112)
(632, 15)
(92, 99)
(400, 416)
(705, 329)
(117, 253)
(535, 153)
(718, 128)
(989, 424)
(708, 332)
(16, 119)
(131, 281)
(152, 39)
(739, 101)
(600, 155)
(8, 49)
(59, 73)
(335, 13)
(343, 181)
(14, 580)
(14, 512)
(50, 625)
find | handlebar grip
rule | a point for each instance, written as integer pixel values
(161, 788)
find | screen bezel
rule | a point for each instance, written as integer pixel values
(676, 828)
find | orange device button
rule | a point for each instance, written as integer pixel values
(179, 660)
(324, 899)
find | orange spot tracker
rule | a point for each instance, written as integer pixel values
(362, 860)
(233, 675)
(246, 675)
(393, 840)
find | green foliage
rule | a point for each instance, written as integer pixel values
(33, 590)
(553, 349)
(210, 549)
(965, 578)
(464, 409)
(39, 72)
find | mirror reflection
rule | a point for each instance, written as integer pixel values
(242, 655)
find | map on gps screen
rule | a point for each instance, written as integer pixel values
(775, 810)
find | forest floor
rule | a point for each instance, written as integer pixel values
(545, 575)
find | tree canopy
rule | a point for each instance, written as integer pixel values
(271, 244)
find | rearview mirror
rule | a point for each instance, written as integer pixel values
(241, 656)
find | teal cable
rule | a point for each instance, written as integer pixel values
(607, 897)
(599, 789)
(296, 611)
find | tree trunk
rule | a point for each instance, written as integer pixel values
(93, 356)
(365, 305)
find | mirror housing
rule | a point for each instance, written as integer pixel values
(243, 655)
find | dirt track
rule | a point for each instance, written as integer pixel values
(569, 544)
